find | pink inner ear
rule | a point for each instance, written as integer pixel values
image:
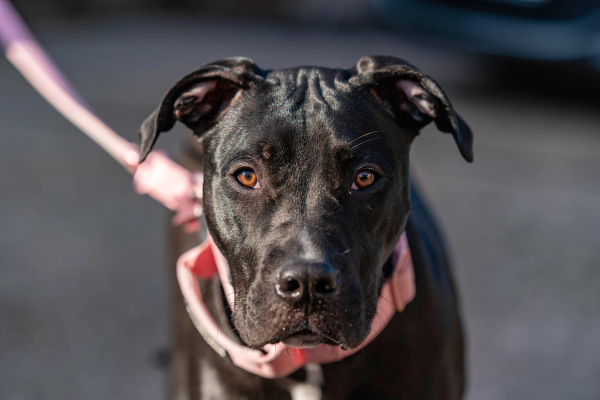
(414, 93)
(198, 91)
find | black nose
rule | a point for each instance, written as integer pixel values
(304, 281)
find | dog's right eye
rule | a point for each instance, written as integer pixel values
(248, 178)
(364, 179)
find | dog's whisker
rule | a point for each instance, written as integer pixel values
(361, 143)
(205, 290)
(287, 349)
(386, 316)
(399, 287)
(380, 319)
(391, 304)
(221, 313)
(229, 331)
(330, 354)
(360, 137)
(287, 353)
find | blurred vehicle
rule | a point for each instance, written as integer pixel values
(552, 30)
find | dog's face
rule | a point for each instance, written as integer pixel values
(306, 185)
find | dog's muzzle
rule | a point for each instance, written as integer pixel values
(279, 360)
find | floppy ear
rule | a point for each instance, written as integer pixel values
(412, 97)
(200, 99)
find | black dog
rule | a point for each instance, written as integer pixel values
(306, 192)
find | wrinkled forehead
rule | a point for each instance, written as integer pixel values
(306, 113)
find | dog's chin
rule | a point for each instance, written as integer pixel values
(306, 339)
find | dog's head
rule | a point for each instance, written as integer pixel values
(306, 185)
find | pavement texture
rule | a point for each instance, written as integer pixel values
(84, 287)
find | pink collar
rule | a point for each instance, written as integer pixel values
(279, 360)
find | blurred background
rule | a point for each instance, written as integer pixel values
(85, 290)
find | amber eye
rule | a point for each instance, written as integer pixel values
(363, 180)
(247, 177)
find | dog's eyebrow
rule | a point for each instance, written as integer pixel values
(238, 158)
(349, 156)
(347, 148)
(268, 150)
(343, 152)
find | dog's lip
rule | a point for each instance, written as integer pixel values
(307, 338)
(304, 339)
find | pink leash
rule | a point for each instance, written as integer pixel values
(181, 191)
(160, 178)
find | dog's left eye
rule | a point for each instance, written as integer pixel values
(364, 178)
(248, 178)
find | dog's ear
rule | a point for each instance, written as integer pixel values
(412, 97)
(200, 99)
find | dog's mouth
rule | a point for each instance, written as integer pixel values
(306, 339)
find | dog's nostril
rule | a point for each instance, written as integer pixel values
(291, 285)
(326, 285)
